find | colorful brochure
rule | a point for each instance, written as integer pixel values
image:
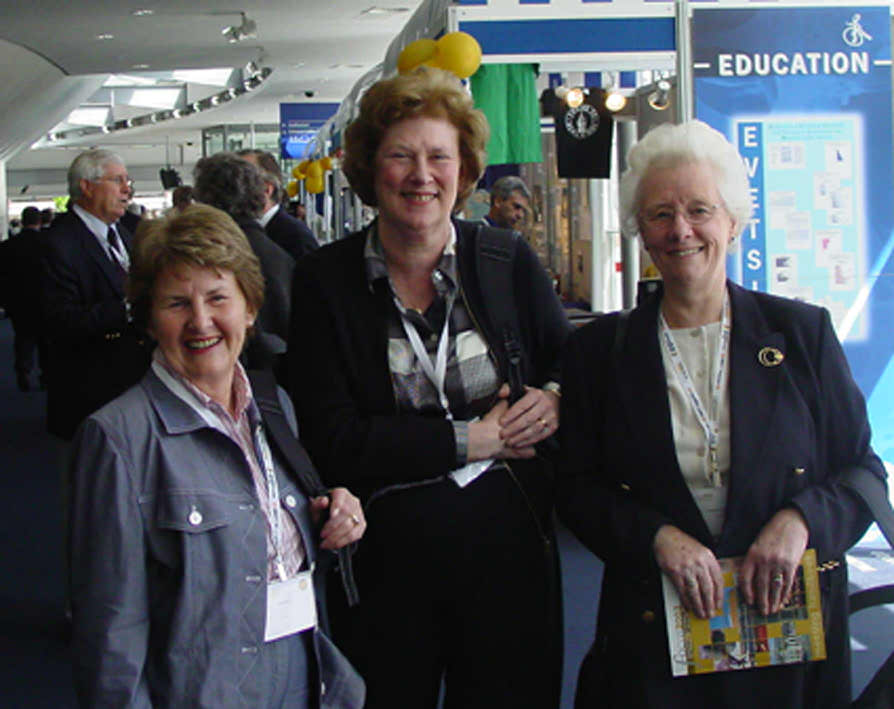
(738, 636)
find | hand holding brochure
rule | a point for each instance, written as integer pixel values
(737, 636)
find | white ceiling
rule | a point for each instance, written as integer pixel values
(318, 46)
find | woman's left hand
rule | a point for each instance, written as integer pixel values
(530, 419)
(346, 523)
(767, 575)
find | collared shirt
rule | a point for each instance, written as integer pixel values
(698, 347)
(472, 376)
(100, 230)
(239, 429)
(265, 218)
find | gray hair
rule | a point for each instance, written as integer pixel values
(89, 165)
(226, 181)
(505, 186)
(670, 145)
(269, 168)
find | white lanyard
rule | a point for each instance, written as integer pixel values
(273, 507)
(707, 419)
(435, 371)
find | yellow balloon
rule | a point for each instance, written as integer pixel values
(415, 53)
(302, 166)
(297, 172)
(292, 188)
(314, 185)
(326, 163)
(459, 53)
(313, 170)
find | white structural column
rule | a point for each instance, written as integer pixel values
(4, 201)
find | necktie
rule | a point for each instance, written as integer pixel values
(115, 248)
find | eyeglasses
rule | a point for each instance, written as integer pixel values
(119, 180)
(663, 216)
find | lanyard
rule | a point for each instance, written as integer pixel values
(435, 371)
(274, 513)
(707, 419)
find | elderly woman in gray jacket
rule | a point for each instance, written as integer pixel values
(195, 542)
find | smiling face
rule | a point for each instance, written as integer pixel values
(417, 168)
(689, 257)
(199, 318)
(108, 196)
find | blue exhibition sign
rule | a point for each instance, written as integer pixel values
(298, 125)
(805, 94)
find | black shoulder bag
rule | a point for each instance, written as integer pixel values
(264, 388)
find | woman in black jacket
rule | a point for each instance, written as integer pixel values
(400, 374)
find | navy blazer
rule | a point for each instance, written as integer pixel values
(94, 352)
(291, 234)
(796, 429)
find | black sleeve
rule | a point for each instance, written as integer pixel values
(342, 393)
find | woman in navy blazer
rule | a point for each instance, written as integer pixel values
(710, 422)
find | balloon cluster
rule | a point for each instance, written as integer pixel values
(311, 171)
(456, 52)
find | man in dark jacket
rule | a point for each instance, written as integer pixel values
(233, 185)
(94, 351)
(290, 233)
(23, 271)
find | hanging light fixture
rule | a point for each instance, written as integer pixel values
(659, 99)
(247, 30)
(574, 97)
(615, 100)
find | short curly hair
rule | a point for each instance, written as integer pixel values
(226, 181)
(200, 236)
(423, 92)
(671, 145)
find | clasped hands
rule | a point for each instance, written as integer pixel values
(766, 577)
(512, 431)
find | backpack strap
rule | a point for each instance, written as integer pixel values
(264, 389)
(495, 251)
(872, 491)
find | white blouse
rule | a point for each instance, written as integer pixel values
(698, 348)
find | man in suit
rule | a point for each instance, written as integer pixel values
(290, 233)
(23, 271)
(95, 353)
(510, 203)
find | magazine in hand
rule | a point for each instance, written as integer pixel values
(738, 636)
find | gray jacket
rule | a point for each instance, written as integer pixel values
(168, 563)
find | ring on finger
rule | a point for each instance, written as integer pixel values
(778, 579)
(355, 519)
(691, 581)
(543, 423)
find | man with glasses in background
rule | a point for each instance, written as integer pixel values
(94, 352)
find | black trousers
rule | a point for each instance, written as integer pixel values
(27, 341)
(456, 584)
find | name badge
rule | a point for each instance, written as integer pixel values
(291, 607)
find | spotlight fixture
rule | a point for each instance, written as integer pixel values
(574, 97)
(659, 99)
(247, 30)
(615, 101)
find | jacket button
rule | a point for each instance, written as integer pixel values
(625, 487)
(195, 518)
(648, 616)
(291, 501)
(799, 471)
(322, 688)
